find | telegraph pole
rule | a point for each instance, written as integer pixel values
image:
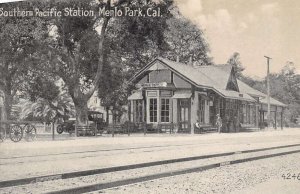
(268, 90)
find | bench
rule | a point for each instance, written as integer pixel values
(204, 128)
(86, 130)
(247, 125)
(130, 127)
(115, 128)
(166, 127)
(149, 128)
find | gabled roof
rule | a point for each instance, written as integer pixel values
(211, 76)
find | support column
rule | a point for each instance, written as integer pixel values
(174, 110)
(237, 116)
(261, 120)
(281, 124)
(129, 110)
(194, 109)
(257, 115)
(275, 117)
(132, 110)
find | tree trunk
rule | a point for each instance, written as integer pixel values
(107, 115)
(79, 98)
(81, 108)
(7, 105)
(81, 112)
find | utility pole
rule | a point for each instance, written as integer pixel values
(268, 90)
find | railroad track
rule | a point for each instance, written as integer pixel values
(100, 152)
(21, 159)
(71, 152)
(170, 167)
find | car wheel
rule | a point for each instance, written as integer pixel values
(59, 129)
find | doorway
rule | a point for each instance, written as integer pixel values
(184, 115)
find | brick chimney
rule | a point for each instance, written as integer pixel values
(177, 59)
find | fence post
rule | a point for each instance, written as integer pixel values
(128, 128)
(53, 131)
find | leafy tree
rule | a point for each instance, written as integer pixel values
(288, 89)
(18, 39)
(131, 43)
(186, 40)
(285, 87)
(40, 86)
(73, 52)
(234, 60)
(77, 50)
(47, 110)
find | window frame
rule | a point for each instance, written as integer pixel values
(201, 109)
(165, 118)
(153, 113)
(138, 111)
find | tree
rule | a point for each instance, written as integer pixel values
(285, 87)
(18, 39)
(289, 90)
(185, 40)
(47, 110)
(77, 49)
(234, 60)
(130, 44)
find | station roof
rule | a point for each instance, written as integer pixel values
(215, 77)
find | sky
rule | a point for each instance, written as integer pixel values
(5, 1)
(254, 28)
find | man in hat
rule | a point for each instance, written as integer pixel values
(219, 123)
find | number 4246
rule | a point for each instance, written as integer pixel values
(291, 176)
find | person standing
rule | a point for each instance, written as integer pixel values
(219, 123)
(197, 125)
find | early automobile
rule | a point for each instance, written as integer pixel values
(95, 125)
(67, 126)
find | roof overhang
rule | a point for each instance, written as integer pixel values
(235, 95)
(136, 96)
(182, 95)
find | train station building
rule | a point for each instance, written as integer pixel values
(169, 92)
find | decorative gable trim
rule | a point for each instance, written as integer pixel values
(166, 66)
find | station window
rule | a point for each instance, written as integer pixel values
(254, 114)
(153, 110)
(248, 114)
(201, 110)
(138, 111)
(165, 110)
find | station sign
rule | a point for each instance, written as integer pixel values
(152, 85)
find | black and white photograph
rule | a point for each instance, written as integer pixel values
(150, 96)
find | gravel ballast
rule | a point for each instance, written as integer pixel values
(262, 176)
(116, 176)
